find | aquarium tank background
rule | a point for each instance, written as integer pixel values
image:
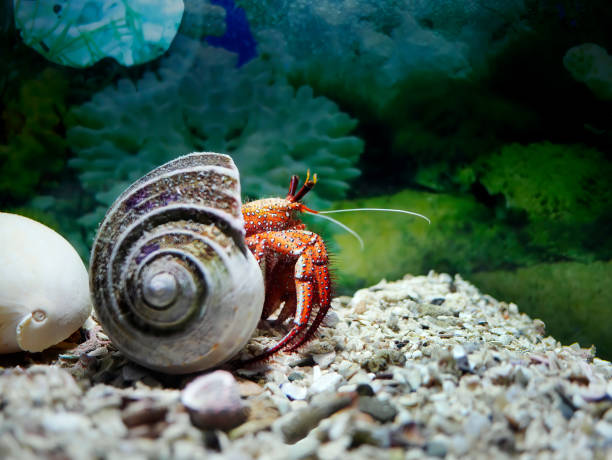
(491, 117)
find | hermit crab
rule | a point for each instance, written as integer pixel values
(181, 272)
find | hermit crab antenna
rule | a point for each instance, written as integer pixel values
(340, 224)
(402, 211)
(308, 185)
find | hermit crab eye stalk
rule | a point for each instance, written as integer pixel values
(308, 186)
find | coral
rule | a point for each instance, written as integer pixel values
(373, 45)
(369, 44)
(567, 209)
(34, 150)
(80, 33)
(201, 19)
(592, 65)
(199, 101)
(572, 298)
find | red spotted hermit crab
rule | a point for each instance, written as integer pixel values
(181, 272)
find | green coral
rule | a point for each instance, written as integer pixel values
(34, 151)
(572, 298)
(198, 100)
(564, 191)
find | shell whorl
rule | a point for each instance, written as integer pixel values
(173, 283)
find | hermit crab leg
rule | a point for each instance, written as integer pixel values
(324, 287)
(311, 277)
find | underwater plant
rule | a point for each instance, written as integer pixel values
(34, 150)
(80, 33)
(566, 210)
(198, 100)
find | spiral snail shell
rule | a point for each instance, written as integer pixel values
(173, 283)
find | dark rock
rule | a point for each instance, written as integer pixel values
(383, 411)
(143, 412)
(363, 389)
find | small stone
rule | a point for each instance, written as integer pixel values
(413, 378)
(347, 369)
(461, 359)
(295, 376)
(248, 388)
(459, 445)
(362, 300)
(213, 401)
(110, 424)
(393, 322)
(409, 434)
(143, 412)
(363, 389)
(475, 424)
(132, 372)
(594, 393)
(347, 388)
(436, 449)
(539, 326)
(383, 411)
(331, 319)
(65, 422)
(604, 429)
(326, 382)
(325, 359)
(293, 391)
(250, 427)
(566, 407)
(305, 448)
(522, 376)
(297, 424)
(301, 361)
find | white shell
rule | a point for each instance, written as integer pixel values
(44, 291)
(173, 283)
